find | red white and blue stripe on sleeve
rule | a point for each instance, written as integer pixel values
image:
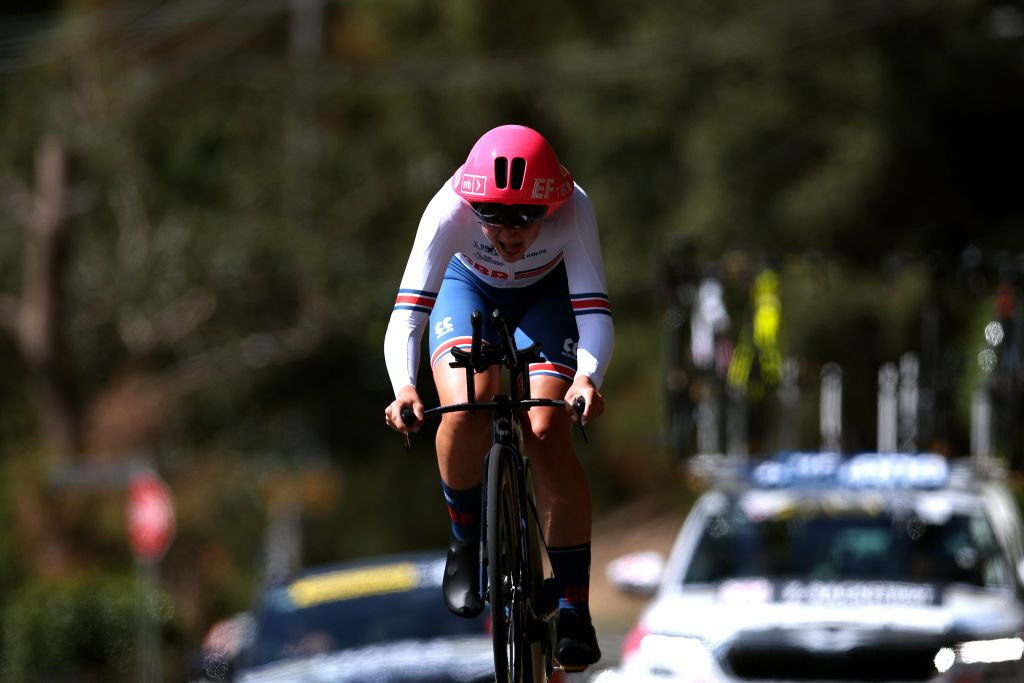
(591, 303)
(415, 300)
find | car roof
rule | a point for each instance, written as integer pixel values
(815, 473)
(941, 484)
(372, 561)
(361, 578)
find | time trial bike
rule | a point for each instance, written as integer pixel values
(523, 602)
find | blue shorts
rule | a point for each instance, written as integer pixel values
(538, 313)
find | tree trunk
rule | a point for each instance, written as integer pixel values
(39, 323)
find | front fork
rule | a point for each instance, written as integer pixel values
(542, 600)
(508, 432)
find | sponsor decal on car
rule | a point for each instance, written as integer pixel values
(356, 583)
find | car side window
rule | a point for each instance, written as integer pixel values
(992, 567)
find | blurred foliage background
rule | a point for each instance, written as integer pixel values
(207, 206)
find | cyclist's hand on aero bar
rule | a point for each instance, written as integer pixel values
(408, 399)
(583, 388)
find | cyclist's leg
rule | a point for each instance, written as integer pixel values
(563, 501)
(562, 492)
(462, 438)
(563, 495)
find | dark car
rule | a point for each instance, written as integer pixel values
(382, 620)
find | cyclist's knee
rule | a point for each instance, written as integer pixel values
(548, 427)
(465, 423)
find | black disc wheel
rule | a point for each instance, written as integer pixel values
(515, 643)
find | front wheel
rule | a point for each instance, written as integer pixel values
(518, 655)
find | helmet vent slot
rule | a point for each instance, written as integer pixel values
(501, 172)
(518, 171)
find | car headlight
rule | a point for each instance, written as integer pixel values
(980, 652)
(679, 657)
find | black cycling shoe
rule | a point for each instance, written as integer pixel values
(576, 648)
(461, 583)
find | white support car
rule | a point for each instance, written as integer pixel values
(823, 568)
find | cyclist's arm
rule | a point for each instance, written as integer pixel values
(435, 243)
(589, 294)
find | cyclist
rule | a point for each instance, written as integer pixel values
(510, 230)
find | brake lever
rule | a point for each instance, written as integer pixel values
(579, 405)
(409, 418)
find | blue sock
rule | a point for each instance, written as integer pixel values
(464, 509)
(571, 566)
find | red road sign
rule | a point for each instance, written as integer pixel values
(150, 517)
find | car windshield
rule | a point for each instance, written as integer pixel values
(286, 633)
(817, 541)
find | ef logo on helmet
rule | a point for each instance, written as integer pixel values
(543, 188)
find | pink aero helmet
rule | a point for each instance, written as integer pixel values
(513, 165)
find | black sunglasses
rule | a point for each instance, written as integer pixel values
(509, 215)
